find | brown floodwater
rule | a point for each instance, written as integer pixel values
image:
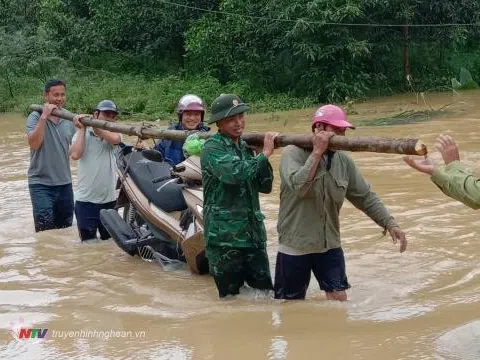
(422, 304)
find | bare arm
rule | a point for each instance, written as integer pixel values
(78, 146)
(110, 137)
(36, 136)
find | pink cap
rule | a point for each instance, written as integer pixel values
(331, 115)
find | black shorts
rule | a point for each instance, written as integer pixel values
(232, 267)
(292, 273)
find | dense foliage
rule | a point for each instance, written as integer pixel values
(275, 49)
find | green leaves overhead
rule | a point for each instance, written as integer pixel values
(261, 46)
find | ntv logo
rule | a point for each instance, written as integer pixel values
(21, 331)
(32, 333)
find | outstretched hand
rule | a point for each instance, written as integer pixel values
(425, 165)
(447, 147)
(398, 235)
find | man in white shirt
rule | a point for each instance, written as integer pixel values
(94, 149)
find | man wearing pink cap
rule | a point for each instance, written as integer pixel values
(314, 185)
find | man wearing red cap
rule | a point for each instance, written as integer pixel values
(314, 185)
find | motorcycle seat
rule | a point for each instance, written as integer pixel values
(143, 171)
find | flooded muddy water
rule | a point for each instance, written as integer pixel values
(99, 303)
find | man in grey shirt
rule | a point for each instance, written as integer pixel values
(94, 150)
(49, 176)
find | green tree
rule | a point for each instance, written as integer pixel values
(296, 53)
(18, 14)
(22, 54)
(12, 61)
(300, 53)
(137, 34)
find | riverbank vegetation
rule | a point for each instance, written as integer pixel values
(277, 55)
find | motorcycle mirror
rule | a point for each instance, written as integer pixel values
(152, 155)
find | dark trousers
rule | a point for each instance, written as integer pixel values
(88, 219)
(232, 267)
(52, 206)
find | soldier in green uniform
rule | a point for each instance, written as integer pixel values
(233, 176)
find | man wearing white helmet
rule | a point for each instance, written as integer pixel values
(190, 111)
(94, 149)
(314, 185)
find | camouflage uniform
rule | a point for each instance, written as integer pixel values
(235, 235)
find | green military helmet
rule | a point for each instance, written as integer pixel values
(226, 105)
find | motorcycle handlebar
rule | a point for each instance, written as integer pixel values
(175, 168)
(179, 168)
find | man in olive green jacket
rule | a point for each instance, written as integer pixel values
(235, 235)
(314, 186)
(453, 180)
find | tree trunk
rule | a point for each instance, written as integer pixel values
(407, 146)
(9, 85)
(406, 53)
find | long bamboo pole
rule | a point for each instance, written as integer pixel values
(407, 146)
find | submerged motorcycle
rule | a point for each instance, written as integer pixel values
(158, 214)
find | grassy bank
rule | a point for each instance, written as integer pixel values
(140, 97)
(145, 98)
